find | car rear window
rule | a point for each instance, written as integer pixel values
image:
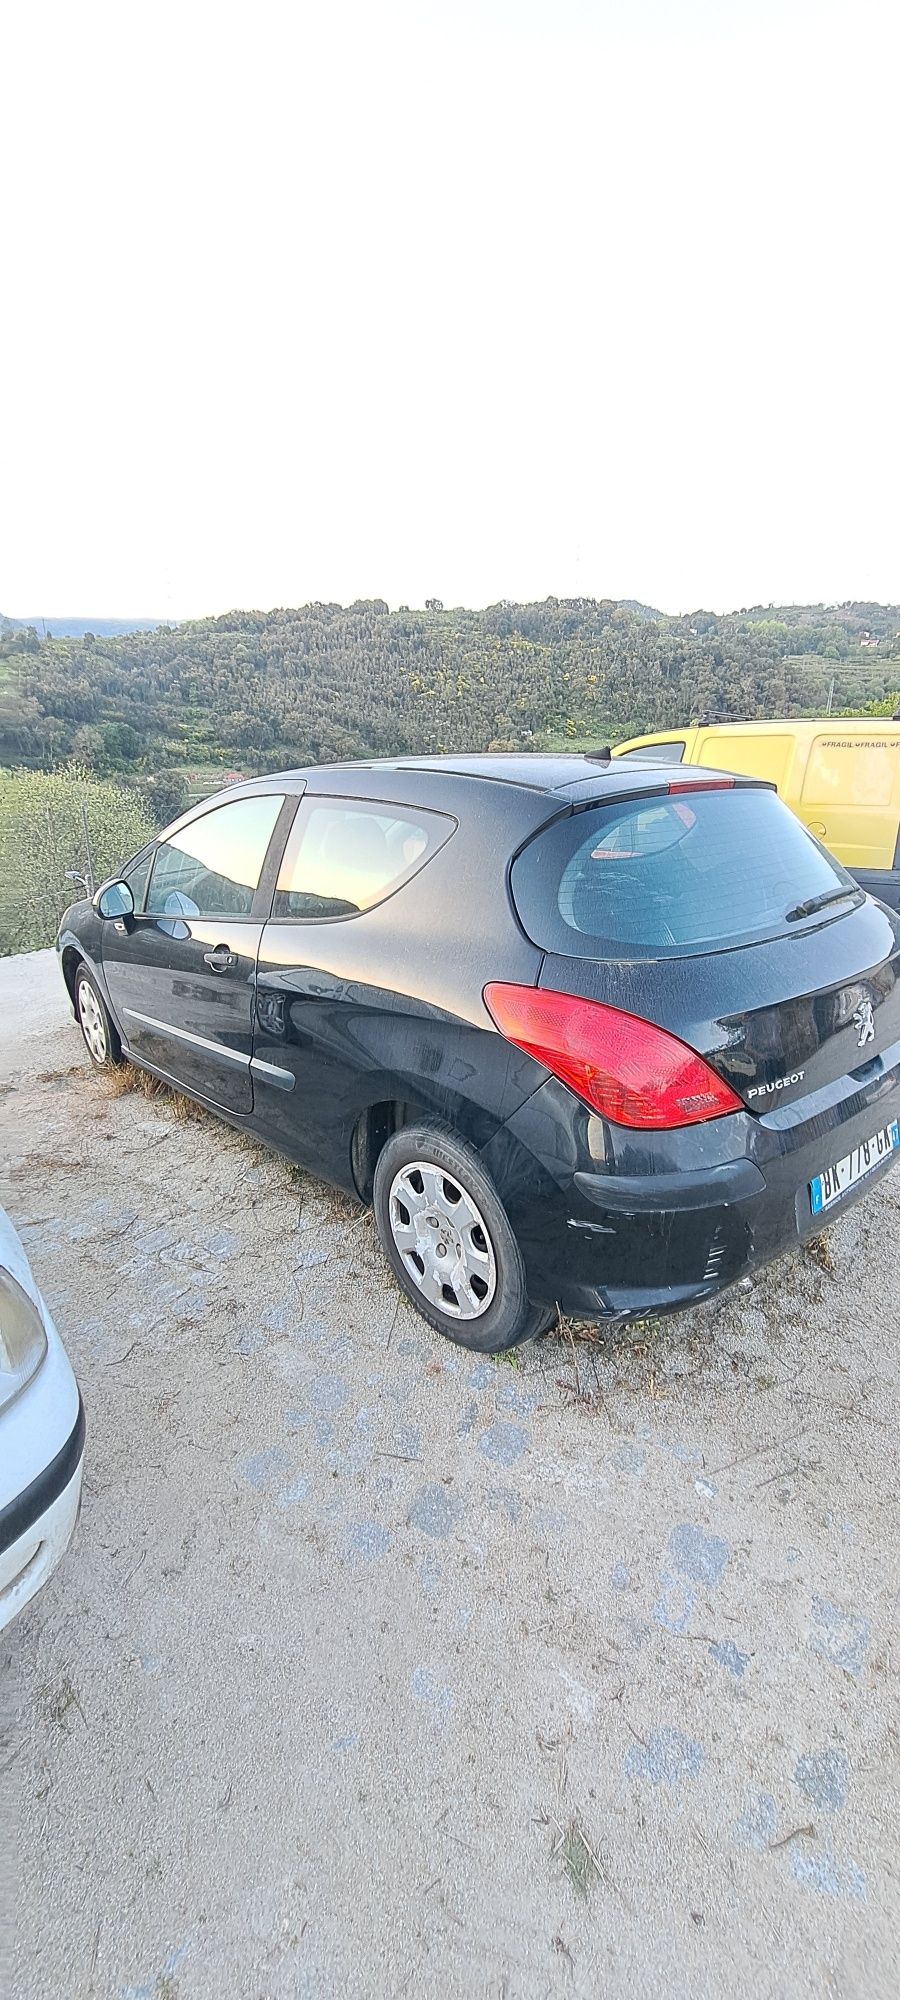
(660, 876)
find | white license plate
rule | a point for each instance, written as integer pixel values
(828, 1187)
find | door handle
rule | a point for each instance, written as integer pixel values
(220, 960)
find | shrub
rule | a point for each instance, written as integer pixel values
(42, 835)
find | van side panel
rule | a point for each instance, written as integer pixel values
(752, 756)
(851, 795)
(840, 775)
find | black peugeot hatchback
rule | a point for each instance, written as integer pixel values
(589, 1035)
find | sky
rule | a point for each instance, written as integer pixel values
(409, 298)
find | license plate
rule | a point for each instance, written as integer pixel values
(829, 1186)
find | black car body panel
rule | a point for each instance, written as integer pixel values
(80, 938)
(766, 1012)
(319, 1025)
(616, 1224)
(387, 1007)
(882, 883)
(179, 1013)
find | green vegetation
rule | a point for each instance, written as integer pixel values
(42, 835)
(254, 690)
(153, 718)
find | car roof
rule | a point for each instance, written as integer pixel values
(524, 789)
(532, 771)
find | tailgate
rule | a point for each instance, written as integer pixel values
(777, 1019)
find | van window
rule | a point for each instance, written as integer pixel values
(750, 756)
(852, 771)
(657, 753)
(660, 876)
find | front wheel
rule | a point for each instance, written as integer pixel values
(100, 1038)
(448, 1240)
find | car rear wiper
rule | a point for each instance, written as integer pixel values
(814, 903)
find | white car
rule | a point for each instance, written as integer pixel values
(41, 1434)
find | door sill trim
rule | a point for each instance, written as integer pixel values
(266, 1072)
(219, 1049)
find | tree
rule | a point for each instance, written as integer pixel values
(258, 690)
(165, 796)
(88, 746)
(119, 742)
(42, 837)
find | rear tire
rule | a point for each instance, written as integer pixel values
(93, 1017)
(448, 1240)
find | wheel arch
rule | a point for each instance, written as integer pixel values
(70, 960)
(380, 1120)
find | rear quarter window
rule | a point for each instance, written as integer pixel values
(662, 876)
(343, 856)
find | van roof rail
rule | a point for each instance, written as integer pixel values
(742, 721)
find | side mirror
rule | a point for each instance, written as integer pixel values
(114, 899)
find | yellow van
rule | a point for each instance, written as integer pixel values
(839, 774)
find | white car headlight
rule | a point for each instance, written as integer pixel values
(23, 1341)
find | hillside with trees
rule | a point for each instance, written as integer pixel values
(254, 690)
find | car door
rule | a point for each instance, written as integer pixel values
(335, 1007)
(181, 973)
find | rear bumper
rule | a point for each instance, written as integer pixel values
(615, 1225)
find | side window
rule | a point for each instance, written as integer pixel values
(137, 875)
(655, 753)
(212, 867)
(343, 856)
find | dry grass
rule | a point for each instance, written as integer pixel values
(819, 1251)
(633, 1333)
(127, 1077)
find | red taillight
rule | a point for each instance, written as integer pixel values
(701, 785)
(627, 1069)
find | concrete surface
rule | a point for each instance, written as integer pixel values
(378, 1669)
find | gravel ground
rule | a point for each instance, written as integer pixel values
(379, 1669)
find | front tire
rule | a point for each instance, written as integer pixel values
(98, 1033)
(448, 1240)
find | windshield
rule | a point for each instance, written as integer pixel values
(655, 877)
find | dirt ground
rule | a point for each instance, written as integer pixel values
(379, 1669)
